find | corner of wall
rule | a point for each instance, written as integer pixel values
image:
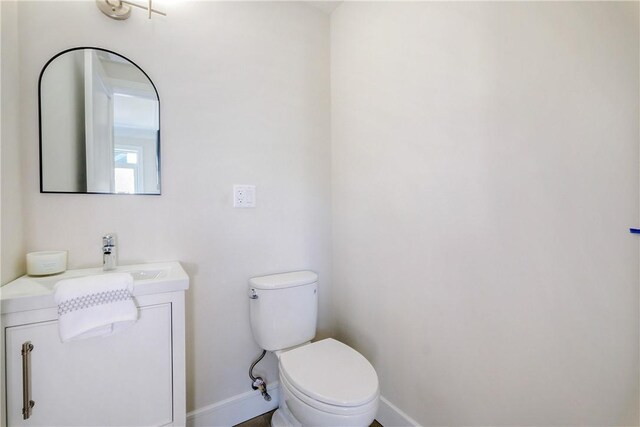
(12, 242)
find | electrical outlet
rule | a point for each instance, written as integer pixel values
(244, 196)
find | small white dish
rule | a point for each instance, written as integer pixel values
(44, 263)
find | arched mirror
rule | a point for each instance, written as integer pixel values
(99, 125)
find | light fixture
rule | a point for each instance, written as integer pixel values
(121, 9)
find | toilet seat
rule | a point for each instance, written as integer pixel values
(325, 408)
(330, 376)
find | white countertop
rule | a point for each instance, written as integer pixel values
(33, 293)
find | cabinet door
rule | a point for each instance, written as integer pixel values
(120, 380)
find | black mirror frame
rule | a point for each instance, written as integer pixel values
(40, 125)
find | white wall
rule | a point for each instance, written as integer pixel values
(485, 174)
(244, 97)
(12, 242)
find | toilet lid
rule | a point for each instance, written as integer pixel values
(330, 372)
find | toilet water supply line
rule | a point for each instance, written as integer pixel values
(258, 383)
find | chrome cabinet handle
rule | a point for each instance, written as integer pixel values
(27, 403)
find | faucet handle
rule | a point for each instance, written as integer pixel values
(109, 240)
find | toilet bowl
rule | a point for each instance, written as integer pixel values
(324, 383)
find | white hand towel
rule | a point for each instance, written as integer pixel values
(94, 306)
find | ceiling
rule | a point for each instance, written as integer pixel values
(327, 6)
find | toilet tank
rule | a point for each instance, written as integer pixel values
(283, 309)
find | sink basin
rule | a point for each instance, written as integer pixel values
(31, 293)
(145, 274)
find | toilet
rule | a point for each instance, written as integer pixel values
(322, 383)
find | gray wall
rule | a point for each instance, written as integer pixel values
(485, 174)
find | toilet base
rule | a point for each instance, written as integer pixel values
(280, 418)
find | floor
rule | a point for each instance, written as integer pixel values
(264, 420)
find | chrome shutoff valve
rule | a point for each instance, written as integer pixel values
(259, 384)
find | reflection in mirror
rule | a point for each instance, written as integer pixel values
(99, 125)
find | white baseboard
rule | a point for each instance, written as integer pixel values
(243, 407)
(389, 415)
(234, 410)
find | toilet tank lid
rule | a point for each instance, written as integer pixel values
(284, 280)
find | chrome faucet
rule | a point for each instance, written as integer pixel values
(109, 261)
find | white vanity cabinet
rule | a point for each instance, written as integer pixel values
(135, 377)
